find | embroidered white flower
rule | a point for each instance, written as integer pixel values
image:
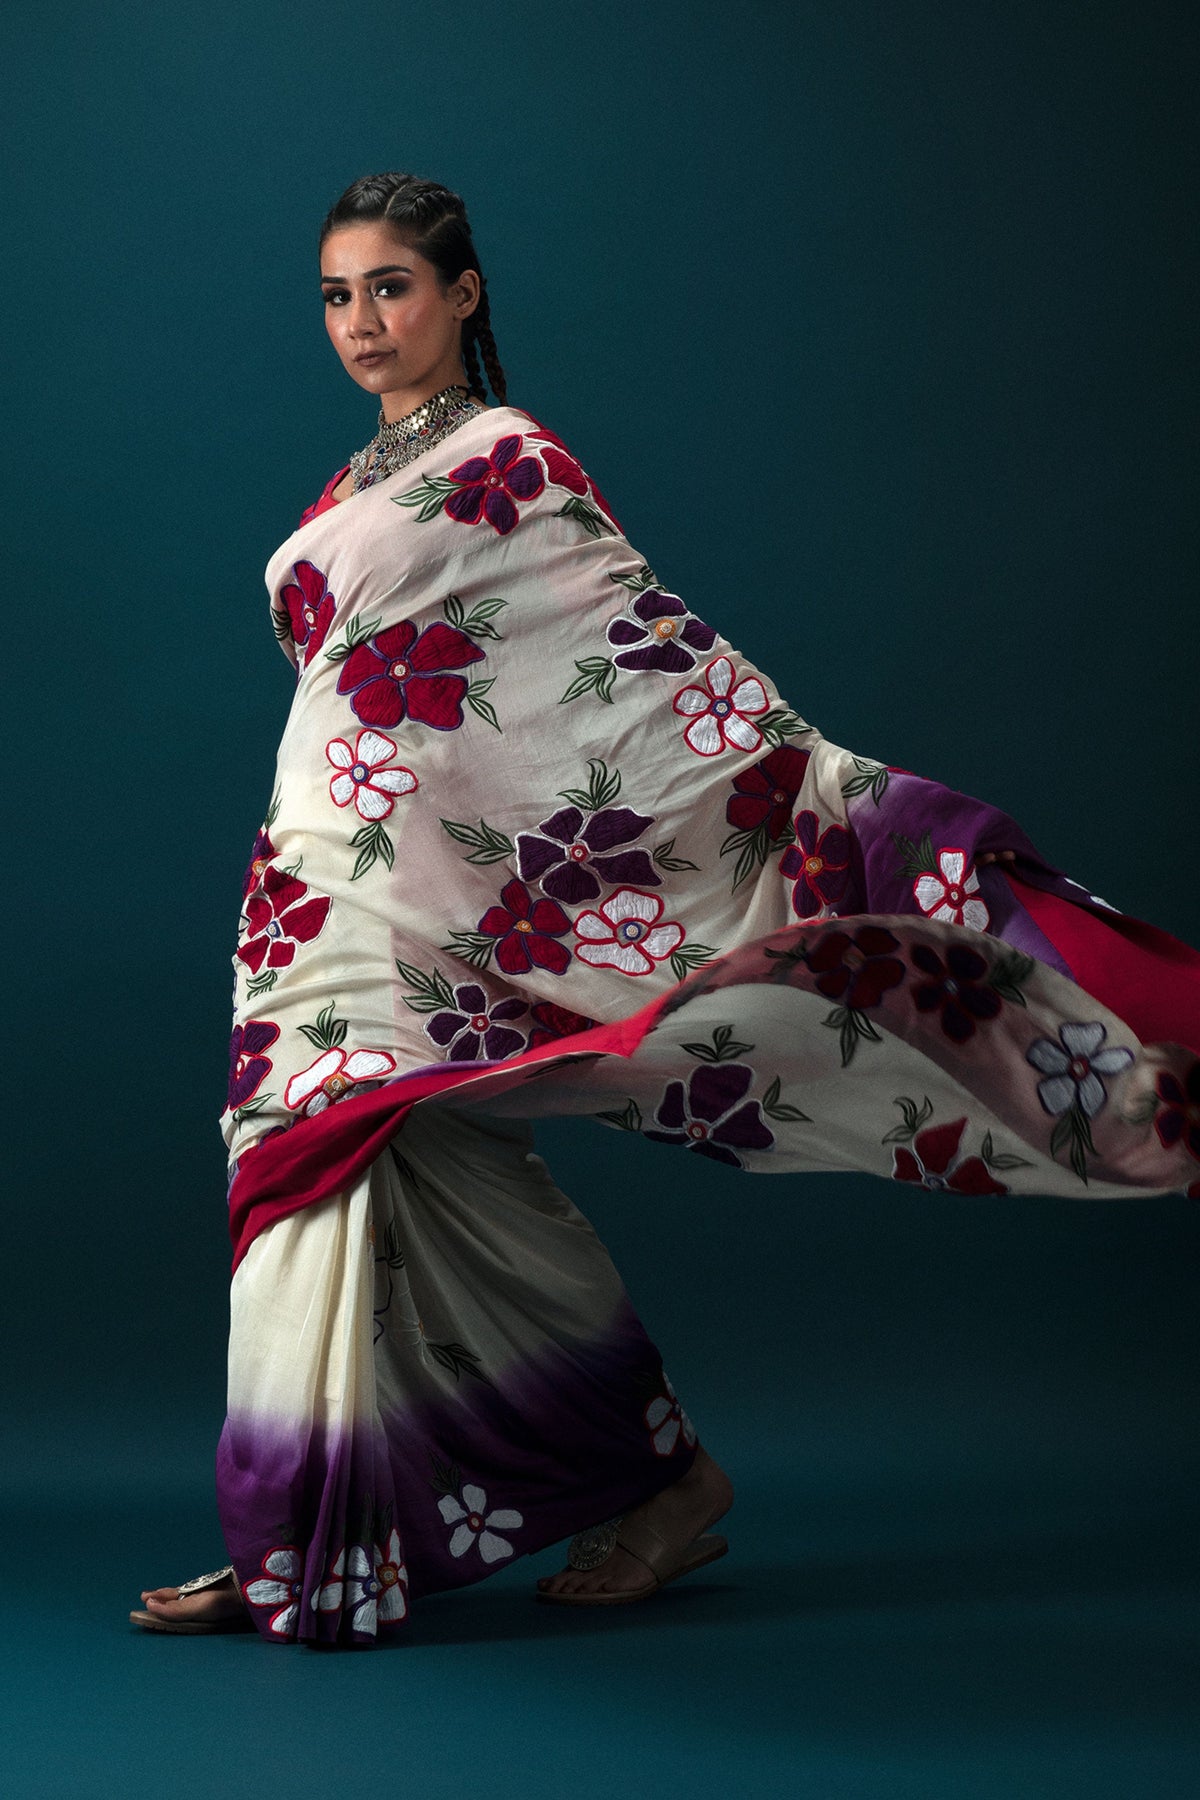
(665, 1418)
(332, 1075)
(279, 1586)
(717, 710)
(362, 777)
(368, 1590)
(626, 934)
(391, 1578)
(473, 1524)
(952, 893)
(1073, 1067)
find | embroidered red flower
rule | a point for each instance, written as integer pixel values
(818, 865)
(1180, 1115)
(720, 710)
(402, 673)
(553, 1022)
(857, 970)
(934, 1162)
(764, 793)
(280, 917)
(489, 486)
(567, 472)
(260, 856)
(527, 931)
(310, 607)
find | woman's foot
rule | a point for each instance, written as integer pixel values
(221, 1601)
(679, 1512)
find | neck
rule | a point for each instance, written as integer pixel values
(399, 402)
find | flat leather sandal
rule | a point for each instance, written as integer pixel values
(195, 1627)
(591, 1549)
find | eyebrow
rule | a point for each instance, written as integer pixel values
(369, 274)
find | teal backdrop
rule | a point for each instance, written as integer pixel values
(876, 322)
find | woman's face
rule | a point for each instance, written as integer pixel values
(389, 321)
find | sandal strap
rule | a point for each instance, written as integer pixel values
(648, 1545)
(212, 1579)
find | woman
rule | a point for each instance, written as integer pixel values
(542, 841)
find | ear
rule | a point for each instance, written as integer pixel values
(465, 293)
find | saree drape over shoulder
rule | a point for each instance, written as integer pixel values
(541, 841)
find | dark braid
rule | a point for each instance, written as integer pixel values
(431, 220)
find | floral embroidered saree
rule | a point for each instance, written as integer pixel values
(541, 841)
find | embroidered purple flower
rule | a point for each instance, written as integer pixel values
(1180, 1115)
(490, 485)
(476, 1029)
(571, 849)
(712, 1115)
(856, 970)
(248, 1067)
(956, 988)
(660, 633)
(1073, 1067)
(818, 864)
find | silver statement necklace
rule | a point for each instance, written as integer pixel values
(399, 441)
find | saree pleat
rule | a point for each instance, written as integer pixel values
(541, 842)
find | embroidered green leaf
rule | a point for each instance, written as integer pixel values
(372, 843)
(915, 859)
(429, 496)
(262, 984)
(628, 1119)
(248, 1110)
(777, 1109)
(661, 855)
(1140, 1112)
(689, 957)
(852, 1025)
(487, 845)
(595, 673)
(601, 790)
(914, 1117)
(787, 960)
(273, 809)
(1073, 1133)
(429, 992)
(871, 774)
(446, 1477)
(476, 622)
(754, 845)
(281, 623)
(1001, 1159)
(293, 868)
(588, 516)
(724, 1048)
(456, 1358)
(645, 578)
(1009, 973)
(779, 723)
(474, 947)
(357, 632)
(485, 709)
(329, 1033)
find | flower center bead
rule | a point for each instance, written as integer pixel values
(664, 628)
(1079, 1067)
(954, 895)
(387, 1575)
(310, 615)
(479, 1022)
(950, 987)
(257, 867)
(335, 1085)
(578, 852)
(495, 480)
(936, 1182)
(359, 772)
(630, 930)
(721, 707)
(813, 865)
(399, 670)
(474, 1521)
(778, 797)
(697, 1131)
(274, 929)
(524, 925)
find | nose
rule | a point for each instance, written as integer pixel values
(363, 319)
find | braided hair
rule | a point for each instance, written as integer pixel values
(432, 221)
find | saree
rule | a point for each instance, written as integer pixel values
(541, 841)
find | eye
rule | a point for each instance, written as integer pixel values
(333, 296)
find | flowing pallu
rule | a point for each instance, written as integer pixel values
(541, 841)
